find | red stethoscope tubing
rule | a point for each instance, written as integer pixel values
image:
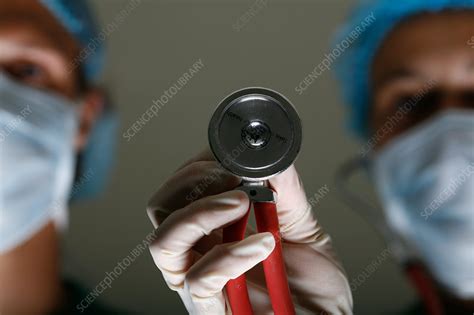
(273, 266)
(425, 287)
(236, 289)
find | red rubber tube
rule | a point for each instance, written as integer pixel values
(237, 288)
(274, 266)
(425, 287)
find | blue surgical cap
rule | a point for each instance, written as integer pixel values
(77, 18)
(354, 64)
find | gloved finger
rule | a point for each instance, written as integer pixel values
(307, 266)
(178, 234)
(206, 279)
(297, 223)
(194, 181)
(204, 155)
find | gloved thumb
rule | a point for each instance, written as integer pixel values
(297, 223)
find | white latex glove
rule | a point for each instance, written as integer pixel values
(189, 252)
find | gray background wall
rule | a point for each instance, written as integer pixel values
(148, 52)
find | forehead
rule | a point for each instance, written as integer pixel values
(31, 24)
(420, 41)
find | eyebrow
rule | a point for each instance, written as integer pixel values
(397, 75)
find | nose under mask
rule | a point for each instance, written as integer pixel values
(425, 178)
(37, 131)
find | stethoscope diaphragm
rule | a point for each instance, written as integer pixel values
(255, 133)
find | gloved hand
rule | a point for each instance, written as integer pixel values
(189, 211)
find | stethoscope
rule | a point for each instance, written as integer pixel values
(400, 249)
(255, 133)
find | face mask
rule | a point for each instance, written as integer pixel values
(426, 182)
(37, 132)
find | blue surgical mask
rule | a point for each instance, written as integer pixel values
(37, 159)
(425, 178)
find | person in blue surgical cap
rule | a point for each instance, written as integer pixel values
(407, 71)
(52, 121)
(408, 79)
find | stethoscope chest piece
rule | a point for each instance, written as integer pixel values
(255, 133)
